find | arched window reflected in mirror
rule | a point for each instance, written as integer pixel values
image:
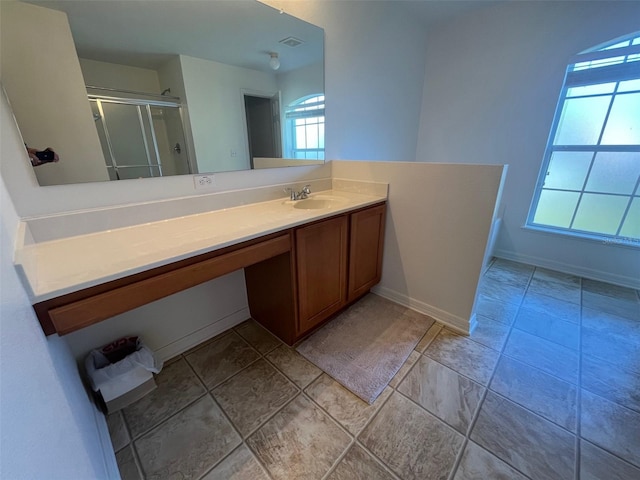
(304, 128)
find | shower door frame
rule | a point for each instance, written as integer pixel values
(139, 103)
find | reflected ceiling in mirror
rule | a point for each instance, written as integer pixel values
(162, 87)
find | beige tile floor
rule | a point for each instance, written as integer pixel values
(547, 387)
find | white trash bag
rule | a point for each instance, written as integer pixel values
(121, 366)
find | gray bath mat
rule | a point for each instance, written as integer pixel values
(365, 346)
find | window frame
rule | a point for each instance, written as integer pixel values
(291, 114)
(585, 75)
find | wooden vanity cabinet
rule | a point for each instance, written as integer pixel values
(365, 250)
(296, 279)
(333, 262)
(321, 259)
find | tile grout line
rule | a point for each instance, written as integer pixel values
(270, 416)
(216, 385)
(352, 437)
(258, 459)
(200, 397)
(379, 461)
(355, 437)
(243, 439)
(134, 451)
(219, 462)
(377, 412)
(579, 387)
(579, 391)
(164, 419)
(337, 461)
(476, 415)
(301, 390)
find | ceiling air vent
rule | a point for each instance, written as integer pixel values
(291, 41)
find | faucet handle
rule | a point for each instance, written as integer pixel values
(291, 192)
(306, 189)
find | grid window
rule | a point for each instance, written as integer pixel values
(305, 128)
(590, 177)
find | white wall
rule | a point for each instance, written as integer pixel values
(47, 92)
(214, 93)
(121, 77)
(301, 83)
(491, 86)
(439, 222)
(374, 71)
(48, 426)
(170, 75)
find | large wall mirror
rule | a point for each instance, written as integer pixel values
(123, 89)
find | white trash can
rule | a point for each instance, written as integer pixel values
(122, 372)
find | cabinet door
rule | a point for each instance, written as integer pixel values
(365, 251)
(321, 255)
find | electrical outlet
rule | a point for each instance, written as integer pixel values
(203, 181)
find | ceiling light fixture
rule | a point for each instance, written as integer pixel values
(274, 62)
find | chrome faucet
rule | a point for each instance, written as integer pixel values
(301, 195)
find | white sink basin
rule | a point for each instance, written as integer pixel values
(319, 202)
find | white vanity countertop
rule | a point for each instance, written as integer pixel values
(62, 266)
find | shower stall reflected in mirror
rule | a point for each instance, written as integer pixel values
(140, 138)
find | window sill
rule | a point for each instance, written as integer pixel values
(623, 242)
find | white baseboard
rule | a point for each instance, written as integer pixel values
(454, 322)
(577, 270)
(202, 335)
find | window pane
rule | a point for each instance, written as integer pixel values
(301, 141)
(581, 121)
(312, 136)
(631, 226)
(591, 89)
(125, 134)
(600, 213)
(598, 63)
(617, 45)
(623, 126)
(614, 172)
(556, 208)
(629, 85)
(568, 170)
(321, 134)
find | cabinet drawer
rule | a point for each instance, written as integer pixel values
(88, 311)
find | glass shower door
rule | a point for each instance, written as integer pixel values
(140, 139)
(129, 140)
